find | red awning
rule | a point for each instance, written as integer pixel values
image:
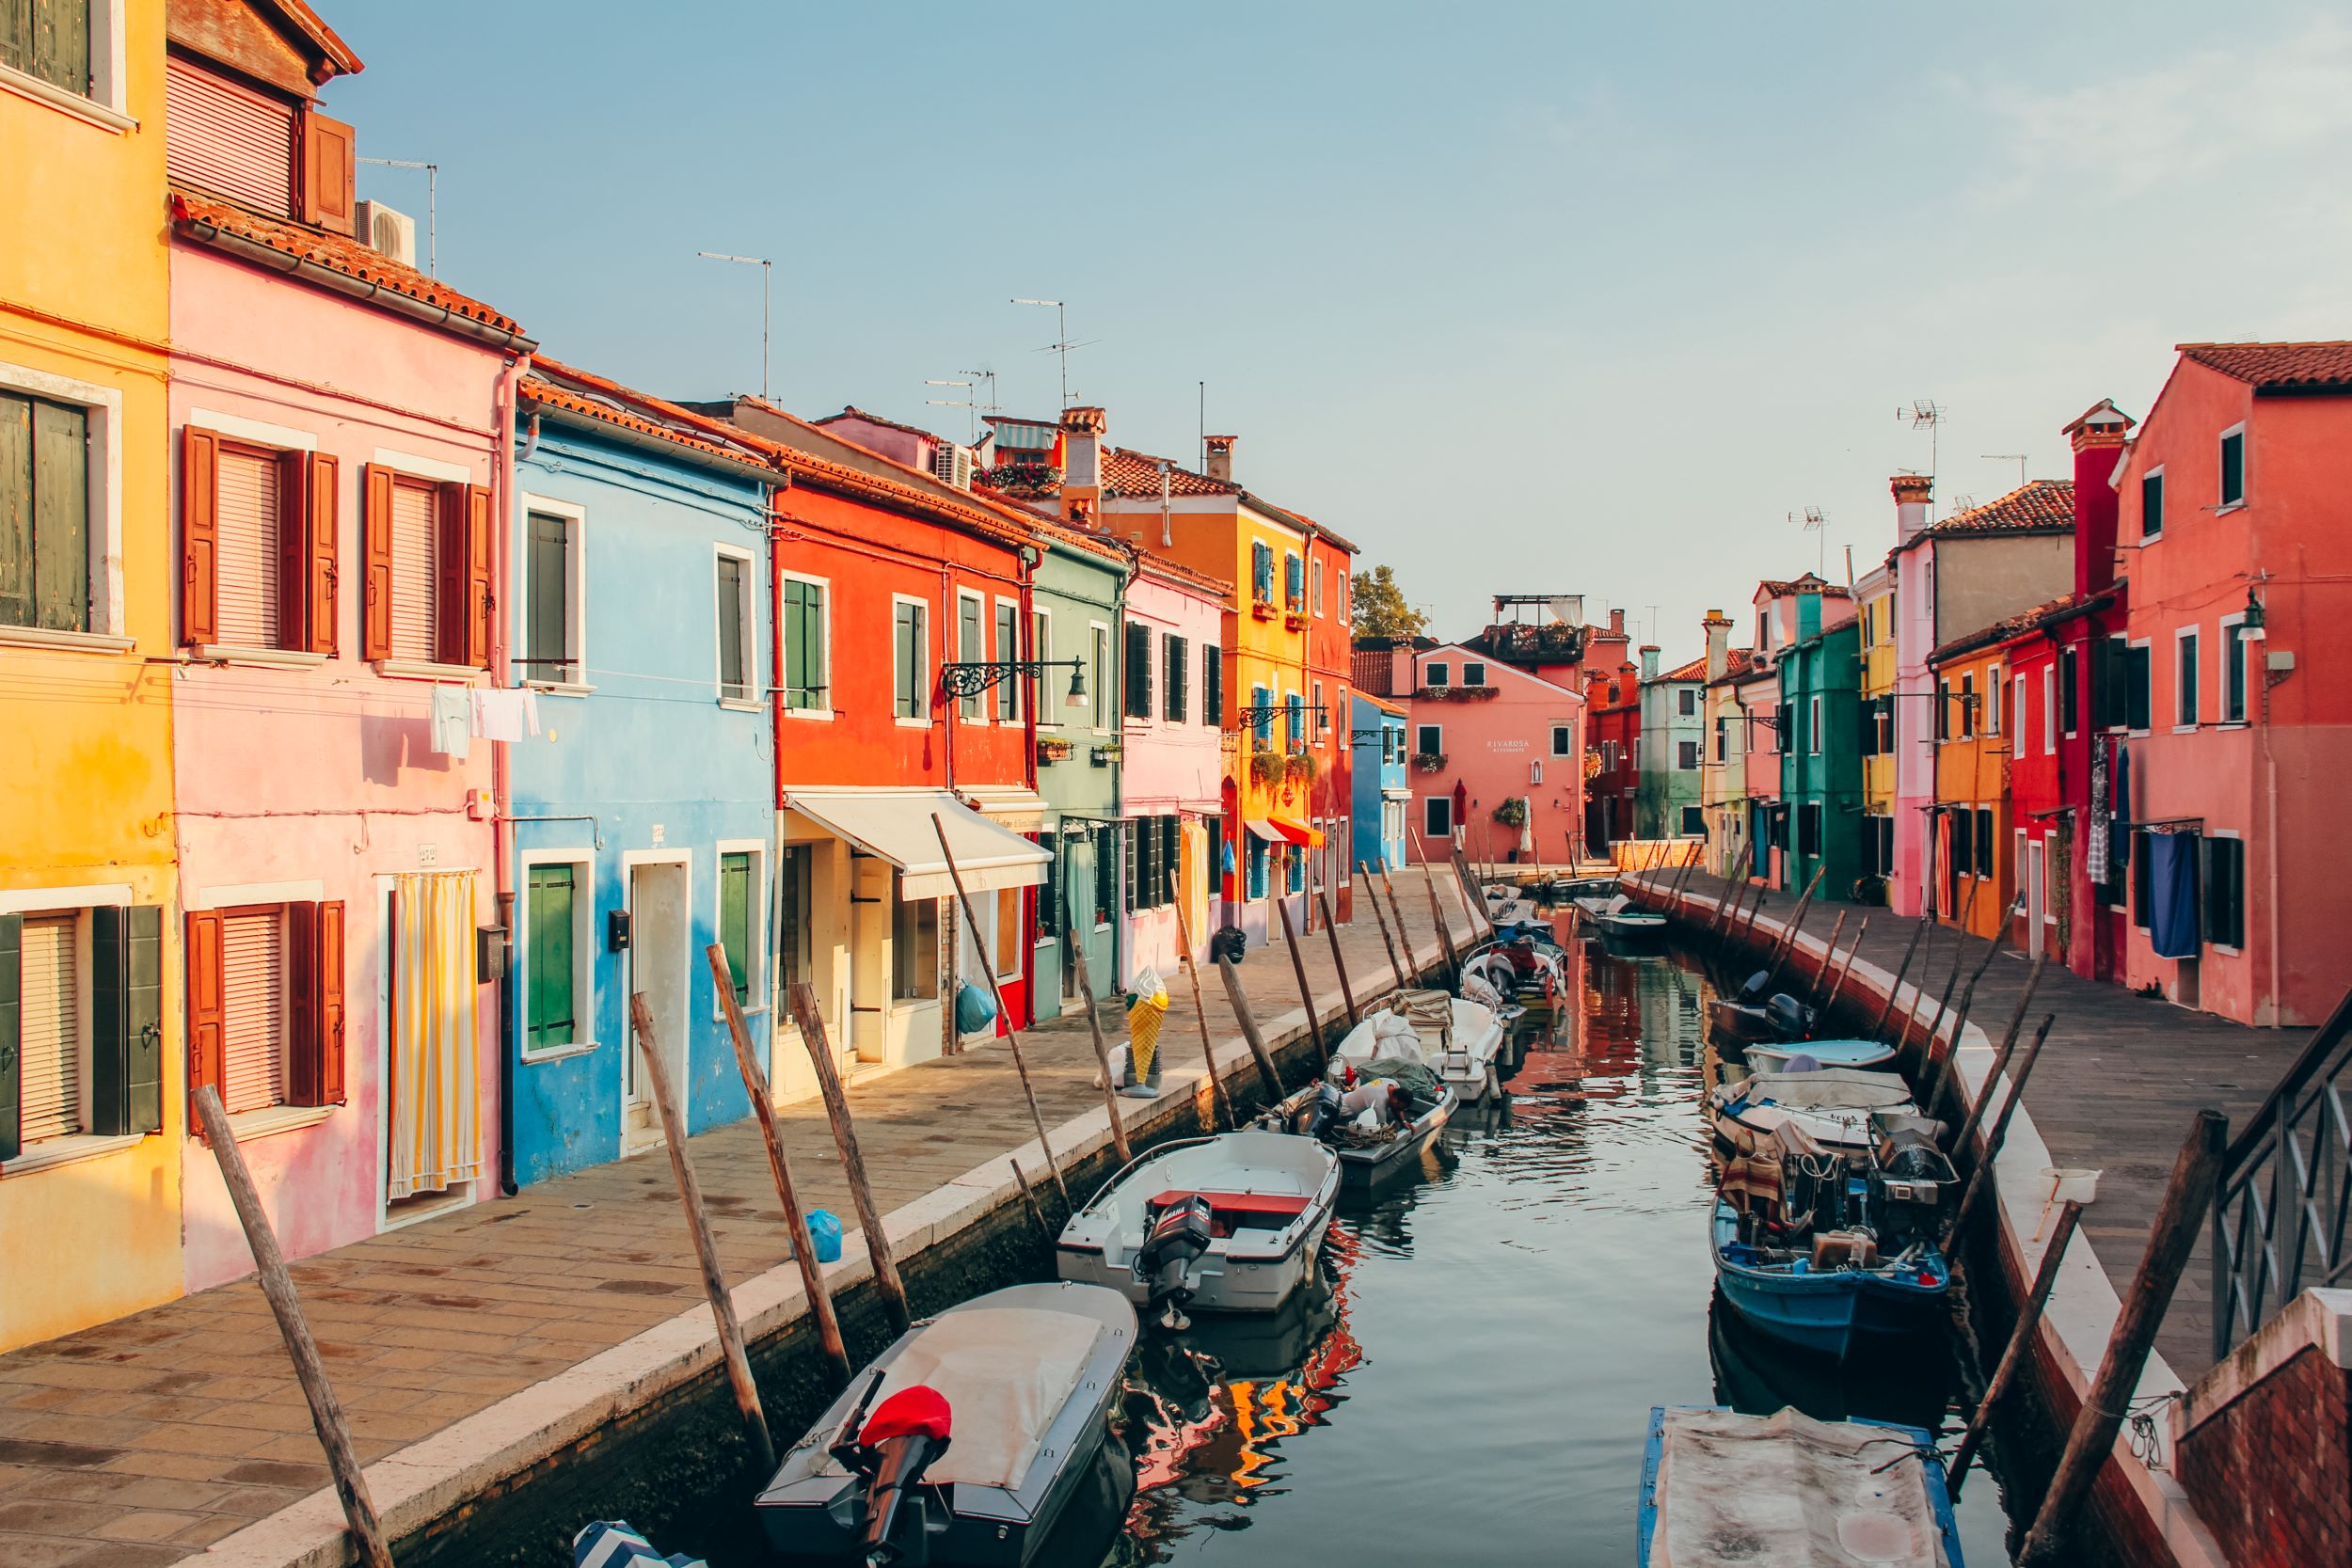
(1299, 833)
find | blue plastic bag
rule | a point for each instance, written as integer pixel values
(975, 1010)
(824, 1234)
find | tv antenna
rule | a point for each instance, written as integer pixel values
(1061, 345)
(1816, 523)
(2016, 457)
(432, 205)
(1928, 415)
(767, 271)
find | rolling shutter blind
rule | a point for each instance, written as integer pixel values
(245, 514)
(253, 998)
(49, 1082)
(229, 139)
(411, 588)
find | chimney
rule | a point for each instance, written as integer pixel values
(1081, 432)
(1221, 457)
(2100, 437)
(1649, 662)
(1808, 613)
(1912, 494)
(1717, 626)
(1616, 623)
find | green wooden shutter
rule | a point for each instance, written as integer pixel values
(1138, 670)
(1213, 685)
(550, 1021)
(548, 649)
(734, 920)
(126, 1018)
(49, 39)
(11, 1029)
(1127, 868)
(16, 462)
(2137, 663)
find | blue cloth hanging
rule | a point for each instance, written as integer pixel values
(2172, 894)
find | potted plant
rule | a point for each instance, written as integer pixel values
(1513, 812)
(1294, 619)
(1265, 768)
(1429, 762)
(1051, 749)
(1263, 610)
(1299, 767)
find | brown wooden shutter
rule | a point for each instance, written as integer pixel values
(329, 184)
(315, 1055)
(480, 599)
(328, 952)
(294, 558)
(11, 1034)
(320, 498)
(376, 633)
(453, 618)
(199, 536)
(206, 984)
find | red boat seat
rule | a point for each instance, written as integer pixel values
(1230, 1211)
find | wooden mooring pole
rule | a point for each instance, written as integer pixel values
(2000, 1065)
(1948, 1071)
(1219, 1100)
(689, 1192)
(1101, 1049)
(2179, 1221)
(1372, 895)
(1981, 1176)
(1847, 968)
(795, 1220)
(1829, 958)
(1332, 929)
(2013, 1354)
(1306, 992)
(1028, 1196)
(1887, 1008)
(1404, 937)
(277, 1288)
(1788, 942)
(887, 1281)
(1267, 1078)
(1960, 959)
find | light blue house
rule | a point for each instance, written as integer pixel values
(1381, 793)
(638, 611)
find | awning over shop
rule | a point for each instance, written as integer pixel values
(1012, 806)
(895, 824)
(1298, 832)
(1266, 831)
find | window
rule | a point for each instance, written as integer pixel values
(44, 503)
(2184, 685)
(910, 657)
(808, 645)
(1984, 841)
(1175, 677)
(2151, 504)
(1100, 676)
(794, 906)
(1429, 740)
(83, 1037)
(2049, 707)
(1295, 722)
(2225, 891)
(1008, 650)
(1257, 883)
(1563, 740)
(1318, 582)
(1993, 700)
(1437, 672)
(556, 943)
(1262, 572)
(1262, 718)
(1813, 726)
(1687, 701)
(551, 583)
(49, 41)
(2136, 703)
(1107, 856)
(259, 538)
(1138, 702)
(427, 594)
(1346, 732)
(2233, 467)
(265, 1003)
(1723, 733)
(913, 944)
(1211, 684)
(1963, 825)
(1297, 857)
(1967, 706)
(736, 659)
(1809, 828)
(739, 907)
(1293, 582)
(996, 942)
(1473, 673)
(1785, 728)
(1694, 821)
(2233, 650)
(1041, 647)
(1686, 756)
(971, 646)
(2070, 669)
(1436, 818)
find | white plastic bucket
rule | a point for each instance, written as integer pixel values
(2068, 1184)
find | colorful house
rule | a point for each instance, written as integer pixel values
(91, 1068)
(1970, 856)
(1754, 711)
(1874, 610)
(1724, 766)
(340, 421)
(1612, 765)
(1383, 796)
(1673, 739)
(644, 810)
(2237, 726)
(1820, 764)
(1171, 760)
(1498, 758)
(1330, 608)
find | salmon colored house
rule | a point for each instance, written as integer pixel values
(1490, 743)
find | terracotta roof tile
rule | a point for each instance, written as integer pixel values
(554, 385)
(2038, 503)
(192, 215)
(2279, 367)
(1808, 582)
(1739, 663)
(1136, 473)
(1695, 671)
(1176, 571)
(851, 411)
(2003, 629)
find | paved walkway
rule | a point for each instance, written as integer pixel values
(141, 1442)
(2116, 1089)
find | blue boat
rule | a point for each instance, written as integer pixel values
(1903, 1508)
(1776, 1057)
(1834, 1311)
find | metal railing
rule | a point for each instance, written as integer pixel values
(2281, 1212)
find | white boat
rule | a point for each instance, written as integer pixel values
(1456, 1040)
(1228, 1224)
(1833, 1106)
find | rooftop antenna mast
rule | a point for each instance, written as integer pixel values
(2016, 457)
(767, 271)
(1061, 345)
(970, 404)
(1200, 444)
(1817, 524)
(1928, 415)
(432, 206)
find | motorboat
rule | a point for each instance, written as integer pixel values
(1831, 1251)
(1378, 1119)
(1456, 1038)
(1757, 1015)
(611, 1544)
(1618, 918)
(965, 1440)
(1833, 1106)
(1757, 1375)
(1719, 1488)
(1842, 1055)
(1226, 1223)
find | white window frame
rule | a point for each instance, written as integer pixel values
(1421, 725)
(103, 481)
(2245, 468)
(752, 682)
(1991, 725)
(1813, 727)
(1108, 709)
(922, 682)
(107, 103)
(576, 630)
(1016, 686)
(823, 714)
(1435, 672)
(973, 709)
(1429, 832)
(78, 902)
(2049, 707)
(2194, 688)
(1558, 726)
(1314, 579)
(755, 962)
(583, 864)
(2163, 523)
(2223, 717)
(1471, 679)
(1322, 720)
(1041, 648)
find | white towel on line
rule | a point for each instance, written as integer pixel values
(508, 716)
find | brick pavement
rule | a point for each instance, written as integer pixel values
(142, 1441)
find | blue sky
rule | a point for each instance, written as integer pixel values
(1521, 299)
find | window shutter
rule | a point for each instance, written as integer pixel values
(319, 1056)
(1213, 685)
(2137, 663)
(126, 1017)
(1172, 855)
(328, 176)
(199, 536)
(317, 572)
(1127, 866)
(452, 617)
(205, 983)
(480, 600)
(1138, 704)
(292, 534)
(376, 631)
(12, 1030)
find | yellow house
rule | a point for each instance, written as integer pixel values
(91, 1105)
(1874, 599)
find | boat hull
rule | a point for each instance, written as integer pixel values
(1773, 1057)
(1834, 1312)
(1747, 1024)
(1225, 1282)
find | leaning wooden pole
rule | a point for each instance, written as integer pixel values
(1981, 1177)
(1219, 1100)
(1878, 1030)
(1946, 1073)
(2013, 1354)
(1269, 1078)
(1847, 968)
(1387, 940)
(2179, 1221)
(690, 1192)
(1102, 1050)
(1404, 937)
(886, 1282)
(277, 1288)
(1306, 992)
(795, 1220)
(1960, 959)
(2000, 1061)
(1347, 992)
(1012, 1030)
(1789, 933)
(1829, 958)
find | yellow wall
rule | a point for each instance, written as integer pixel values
(1265, 652)
(1973, 771)
(1723, 785)
(84, 292)
(1877, 612)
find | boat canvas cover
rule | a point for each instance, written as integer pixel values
(1829, 1089)
(1006, 1374)
(1786, 1491)
(896, 824)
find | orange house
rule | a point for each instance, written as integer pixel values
(1968, 858)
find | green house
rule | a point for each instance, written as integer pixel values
(1820, 764)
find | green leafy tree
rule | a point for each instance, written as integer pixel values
(1381, 610)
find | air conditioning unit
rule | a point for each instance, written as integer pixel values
(952, 465)
(389, 233)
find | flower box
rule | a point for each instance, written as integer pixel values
(1261, 611)
(1299, 767)
(1049, 751)
(1295, 621)
(1104, 754)
(1265, 768)
(1429, 762)
(1459, 693)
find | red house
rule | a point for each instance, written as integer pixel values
(1613, 729)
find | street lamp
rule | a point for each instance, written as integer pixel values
(2250, 630)
(970, 677)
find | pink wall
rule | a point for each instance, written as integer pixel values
(1171, 767)
(1915, 723)
(1489, 748)
(320, 778)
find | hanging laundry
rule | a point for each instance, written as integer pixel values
(508, 716)
(451, 724)
(2172, 894)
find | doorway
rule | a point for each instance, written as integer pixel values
(657, 906)
(2037, 898)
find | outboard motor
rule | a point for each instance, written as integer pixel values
(1751, 988)
(1175, 1241)
(1791, 1019)
(888, 1455)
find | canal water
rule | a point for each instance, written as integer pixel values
(1472, 1384)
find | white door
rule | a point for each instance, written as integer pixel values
(657, 966)
(2037, 897)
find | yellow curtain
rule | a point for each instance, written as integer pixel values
(1192, 878)
(435, 1067)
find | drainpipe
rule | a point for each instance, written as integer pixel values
(503, 805)
(782, 482)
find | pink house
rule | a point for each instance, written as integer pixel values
(1482, 734)
(1170, 763)
(335, 417)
